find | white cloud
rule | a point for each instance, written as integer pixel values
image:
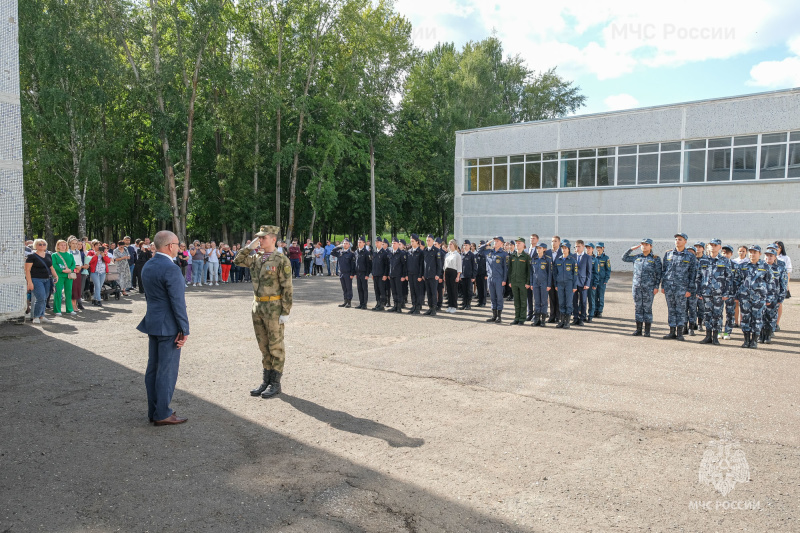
(621, 101)
(610, 39)
(776, 74)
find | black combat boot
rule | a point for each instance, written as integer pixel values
(494, 316)
(767, 335)
(566, 322)
(699, 325)
(560, 324)
(689, 327)
(638, 332)
(671, 334)
(397, 307)
(347, 303)
(537, 319)
(377, 306)
(274, 387)
(552, 319)
(746, 343)
(647, 329)
(543, 320)
(261, 388)
(753, 341)
(715, 337)
(707, 339)
(343, 304)
(499, 319)
(679, 333)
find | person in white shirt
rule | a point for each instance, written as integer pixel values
(788, 264)
(452, 274)
(213, 264)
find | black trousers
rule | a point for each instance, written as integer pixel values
(377, 284)
(397, 290)
(480, 283)
(432, 288)
(387, 290)
(405, 291)
(554, 306)
(466, 290)
(362, 283)
(450, 276)
(440, 294)
(417, 289)
(347, 286)
(530, 304)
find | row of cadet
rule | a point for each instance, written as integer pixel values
(703, 283)
(533, 276)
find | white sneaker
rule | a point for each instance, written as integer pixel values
(217, 284)
(36, 321)
(45, 319)
(57, 314)
(73, 313)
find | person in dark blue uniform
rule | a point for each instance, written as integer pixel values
(346, 265)
(469, 268)
(363, 262)
(433, 267)
(415, 265)
(531, 250)
(380, 273)
(404, 247)
(437, 243)
(497, 276)
(398, 271)
(604, 266)
(592, 290)
(565, 279)
(480, 276)
(580, 297)
(541, 283)
(555, 307)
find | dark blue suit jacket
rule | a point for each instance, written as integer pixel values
(584, 271)
(164, 288)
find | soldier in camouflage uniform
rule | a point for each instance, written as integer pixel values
(776, 293)
(647, 272)
(714, 287)
(756, 277)
(678, 284)
(694, 306)
(730, 304)
(271, 274)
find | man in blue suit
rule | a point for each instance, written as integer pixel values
(167, 326)
(584, 282)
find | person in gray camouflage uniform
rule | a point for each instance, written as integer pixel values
(714, 280)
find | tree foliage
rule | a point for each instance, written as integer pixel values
(211, 117)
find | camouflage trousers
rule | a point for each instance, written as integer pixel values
(752, 314)
(676, 307)
(730, 314)
(771, 313)
(694, 308)
(643, 300)
(713, 307)
(269, 334)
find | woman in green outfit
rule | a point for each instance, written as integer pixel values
(64, 265)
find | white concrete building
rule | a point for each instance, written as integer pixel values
(726, 168)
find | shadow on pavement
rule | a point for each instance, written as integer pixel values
(77, 454)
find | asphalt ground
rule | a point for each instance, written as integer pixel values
(397, 423)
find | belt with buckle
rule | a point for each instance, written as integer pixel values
(267, 298)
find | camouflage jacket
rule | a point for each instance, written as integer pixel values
(271, 277)
(646, 269)
(714, 276)
(755, 280)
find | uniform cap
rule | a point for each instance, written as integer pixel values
(685, 237)
(346, 240)
(361, 238)
(715, 241)
(520, 239)
(590, 245)
(647, 241)
(771, 250)
(466, 241)
(755, 247)
(437, 240)
(541, 244)
(268, 230)
(415, 237)
(395, 240)
(482, 243)
(601, 245)
(701, 244)
(728, 247)
(565, 242)
(500, 239)
(402, 242)
(430, 236)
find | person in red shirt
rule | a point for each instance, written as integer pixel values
(98, 268)
(295, 256)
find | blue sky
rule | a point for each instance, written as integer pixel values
(631, 53)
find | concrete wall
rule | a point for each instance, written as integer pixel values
(736, 212)
(12, 280)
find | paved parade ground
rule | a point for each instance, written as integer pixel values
(399, 423)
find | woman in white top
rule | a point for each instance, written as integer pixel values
(77, 284)
(452, 274)
(788, 264)
(213, 264)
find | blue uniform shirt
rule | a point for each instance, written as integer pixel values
(565, 272)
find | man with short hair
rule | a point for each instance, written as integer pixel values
(362, 259)
(604, 267)
(580, 296)
(346, 268)
(497, 276)
(468, 270)
(415, 266)
(380, 273)
(437, 243)
(167, 326)
(433, 272)
(531, 251)
(398, 272)
(555, 313)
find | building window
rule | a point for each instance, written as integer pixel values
(586, 172)
(500, 173)
(569, 169)
(471, 175)
(605, 171)
(550, 170)
(626, 170)
(670, 167)
(694, 164)
(744, 163)
(794, 159)
(648, 168)
(484, 176)
(773, 162)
